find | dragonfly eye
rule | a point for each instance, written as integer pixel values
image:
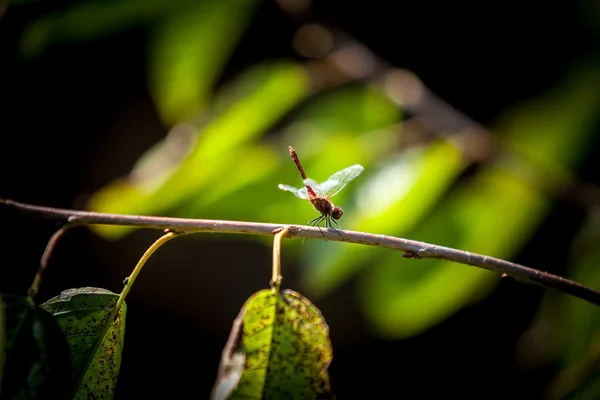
(337, 213)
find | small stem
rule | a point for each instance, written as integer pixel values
(35, 286)
(276, 276)
(138, 268)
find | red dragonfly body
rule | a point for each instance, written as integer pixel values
(319, 193)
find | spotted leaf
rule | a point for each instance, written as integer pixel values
(278, 348)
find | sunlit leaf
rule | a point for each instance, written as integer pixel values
(244, 111)
(95, 340)
(188, 53)
(391, 200)
(278, 348)
(554, 132)
(354, 108)
(492, 214)
(342, 127)
(36, 363)
(244, 178)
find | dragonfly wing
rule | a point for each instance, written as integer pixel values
(337, 181)
(313, 185)
(301, 193)
(311, 182)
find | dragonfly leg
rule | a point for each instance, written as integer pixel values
(316, 222)
(338, 225)
(328, 224)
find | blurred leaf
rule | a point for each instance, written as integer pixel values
(494, 214)
(96, 341)
(278, 348)
(243, 187)
(353, 108)
(83, 21)
(391, 200)
(188, 53)
(554, 132)
(579, 326)
(3, 7)
(583, 318)
(244, 111)
(339, 128)
(36, 363)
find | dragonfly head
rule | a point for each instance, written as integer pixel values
(337, 212)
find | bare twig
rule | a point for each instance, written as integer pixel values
(71, 222)
(414, 249)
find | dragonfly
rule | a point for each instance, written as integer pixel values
(319, 193)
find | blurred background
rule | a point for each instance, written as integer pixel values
(477, 126)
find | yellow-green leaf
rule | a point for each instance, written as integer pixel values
(95, 340)
(493, 213)
(278, 348)
(188, 52)
(391, 200)
(242, 113)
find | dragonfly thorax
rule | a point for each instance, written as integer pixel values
(326, 207)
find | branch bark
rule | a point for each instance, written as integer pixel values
(413, 249)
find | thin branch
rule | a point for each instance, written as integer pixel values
(414, 249)
(35, 286)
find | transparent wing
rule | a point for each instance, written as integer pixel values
(301, 193)
(313, 185)
(337, 181)
(311, 182)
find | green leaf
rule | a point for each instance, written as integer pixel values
(91, 20)
(36, 363)
(242, 113)
(354, 108)
(278, 348)
(494, 213)
(391, 200)
(338, 128)
(580, 328)
(96, 340)
(555, 132)
(577, 325)
(583, 318)
(188, 53)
